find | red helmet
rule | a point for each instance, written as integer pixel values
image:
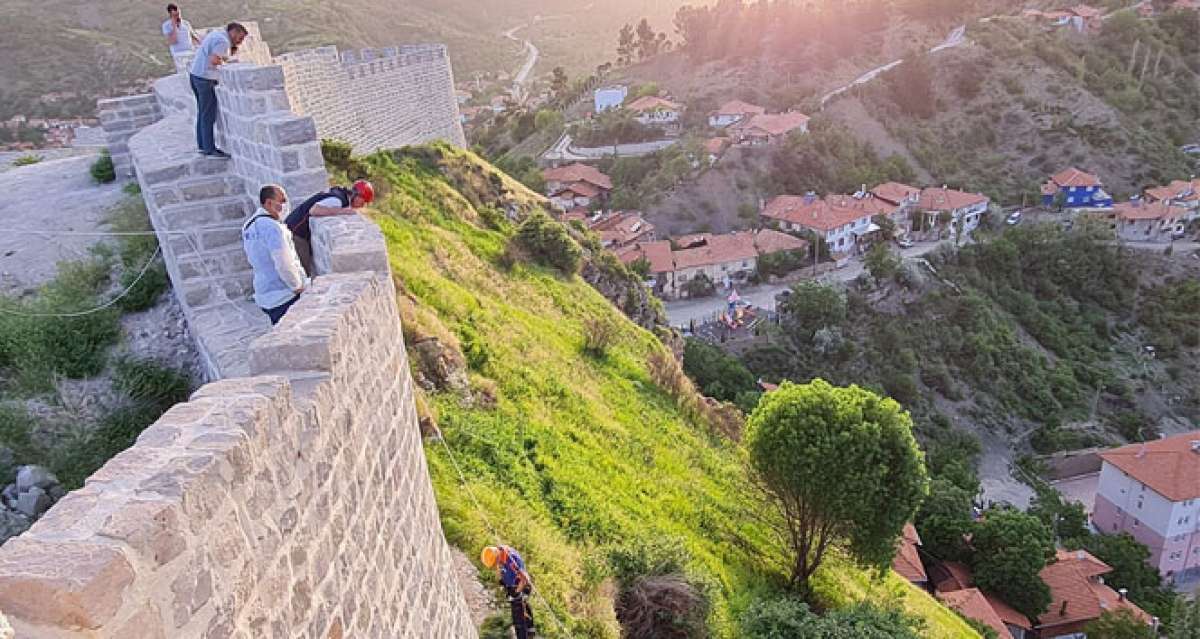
(363, 189)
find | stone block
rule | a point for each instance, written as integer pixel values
(165, 174)
(203, 189)
(151, 528)
(287, 131)
(63, 584)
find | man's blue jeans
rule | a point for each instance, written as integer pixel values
(206, 112)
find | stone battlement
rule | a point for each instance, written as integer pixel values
(289, 497)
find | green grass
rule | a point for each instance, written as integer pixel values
(579, 452)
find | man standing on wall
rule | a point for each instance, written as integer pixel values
(517, 585)
(214, 51)
(336, 201)
(180, 36)
(278, 276)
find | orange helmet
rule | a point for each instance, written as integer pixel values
(363, 189)
(489, 556)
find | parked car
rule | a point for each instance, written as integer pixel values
(1013, 219)
(904, 242)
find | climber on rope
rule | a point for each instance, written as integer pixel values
(511, 569)
(338, 200)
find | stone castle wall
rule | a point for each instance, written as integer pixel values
(376, 98)
(288, 498)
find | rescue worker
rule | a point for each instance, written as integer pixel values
(511, 569)
(336, 201)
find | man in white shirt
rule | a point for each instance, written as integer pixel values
(278, 276)
(214, 50)
(180, 36)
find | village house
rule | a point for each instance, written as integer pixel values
(1141, 221)
(733, 112)
(576, 185)
(1078, 189)
(714, 147)
(907, 561)
(904, 198)
(724, 260)
(1152, 491)
(499, 104)
(652, 110)
(1181, 193)
(610, 97)
(1078, 597)
(619, 229)
(1048, 18)
(965, 209)
(768, 128)
(462, 96)
(839, 226)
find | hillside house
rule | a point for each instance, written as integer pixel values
(904, 198)
(839, 226)
(652, 110)
(1182, 193)
(619, 229)
(1141, 221)
(972, 603)
(1078, 190)
(733, 112)
(1152, 491)
(714, 148)
(907, 561)
(576, 185)
(610, 97)
(499, 104)
(724, 259)
(769, 128)
(1079, 596)
(462, 97)
(1085, 17)
(965, 209)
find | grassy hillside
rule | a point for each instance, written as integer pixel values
(568, 453)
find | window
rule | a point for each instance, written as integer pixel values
(1139, 504)
(745, 264)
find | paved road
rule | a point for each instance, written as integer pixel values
(681, 312)
(955, 38)
(563, 149)
(531, 56)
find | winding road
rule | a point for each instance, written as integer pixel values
(531, 57)
(956, 37)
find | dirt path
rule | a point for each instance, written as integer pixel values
(52, 197)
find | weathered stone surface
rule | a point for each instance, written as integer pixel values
(34, 476)
(33, 502)
(62, 584)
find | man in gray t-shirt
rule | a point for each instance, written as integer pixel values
(214, 51)
(180, 36)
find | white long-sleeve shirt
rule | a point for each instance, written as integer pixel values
(278, 275)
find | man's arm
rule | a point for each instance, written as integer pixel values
(192, 33)
(172, 33)
(326, 211)
(218, 58)
(284, 259)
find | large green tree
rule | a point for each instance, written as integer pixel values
(1119, 624)
(1011, 548)
(811, 307)
(838, 466)
(1127, 557)
(944, 520)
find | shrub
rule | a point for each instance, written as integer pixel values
(548, 243)
(599, 335)
(657, 599)
(102, 170)
(26, 160)
(787, 618)
(134, 252)
(16, 435)
(699, 286)
(881, 263)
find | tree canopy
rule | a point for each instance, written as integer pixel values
(1011, 548)
(840, 466)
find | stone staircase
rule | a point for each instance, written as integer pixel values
(197, 206)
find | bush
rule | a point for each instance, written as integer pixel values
(26, 160)
(548, 243)
(102, 170)
(657, 599)
(599, 334)
(134, 252)
(788, 618)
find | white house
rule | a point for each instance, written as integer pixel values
(733, 112)
(655, 111)
(609, 97)
(1140, 221)
(834, 219)
(966, 209)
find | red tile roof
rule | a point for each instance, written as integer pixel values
(1007, 613)
(974, 605)
(1086, 11)
(657, 253)
(769, 241)
(1139, 210)
(1075, 592)
(653, 103)
(773, 124)
(578, 173)
(811, 212)
(958, 577)
(1074, 177)
(943, 199)
(867, 204)
(907, 562)
(580, 213)
(577, 188)
(1179, 190)
(737, 107)
(1169, 466)
(621, 227)
(894, 192)
(717, 249)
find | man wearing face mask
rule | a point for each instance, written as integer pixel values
(278, 276)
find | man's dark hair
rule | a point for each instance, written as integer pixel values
(171, 8)
(268, 192)
(236, 26)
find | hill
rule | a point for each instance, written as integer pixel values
(569, 454)
(58, 57)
